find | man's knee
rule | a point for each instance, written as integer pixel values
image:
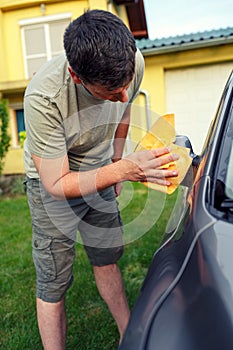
(104, 256)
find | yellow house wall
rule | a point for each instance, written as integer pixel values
(156, 66)
(11, 44)
(11, 55)
(2, 56)
(14, 162)
(97, 4)
(154, 81)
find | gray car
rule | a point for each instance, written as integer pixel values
(186, 301)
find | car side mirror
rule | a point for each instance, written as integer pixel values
(184, 141)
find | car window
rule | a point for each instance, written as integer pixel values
(223, 196)
(229, 175)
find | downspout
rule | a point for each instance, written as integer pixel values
(147, 106)
(109, 5)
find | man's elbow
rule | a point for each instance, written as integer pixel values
(56, 192)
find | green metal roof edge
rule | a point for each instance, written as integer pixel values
(186, 41)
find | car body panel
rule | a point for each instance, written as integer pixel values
(186, 301)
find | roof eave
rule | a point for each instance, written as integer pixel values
(186, 46)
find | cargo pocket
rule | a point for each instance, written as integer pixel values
(43, 259)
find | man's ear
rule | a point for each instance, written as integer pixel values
(75, 78)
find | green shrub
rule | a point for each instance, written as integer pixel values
(4, 135)
(22, 137)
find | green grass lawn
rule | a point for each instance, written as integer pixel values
(90, 326)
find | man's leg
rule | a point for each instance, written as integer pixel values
(52, 324)
(110, 285)
(54, 228)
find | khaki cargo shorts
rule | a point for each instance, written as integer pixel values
(94, 221)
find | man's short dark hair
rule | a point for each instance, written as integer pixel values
(100, 49)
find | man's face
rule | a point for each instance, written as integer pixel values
(119, 94)
(102, 92)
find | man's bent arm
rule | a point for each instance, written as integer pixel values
(62, 183)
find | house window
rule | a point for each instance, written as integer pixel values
(20, 120)
(17, 124)
(42, 39)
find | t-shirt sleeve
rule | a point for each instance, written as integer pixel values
(44, 127)
(139, 72)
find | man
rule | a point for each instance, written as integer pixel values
(77, 110)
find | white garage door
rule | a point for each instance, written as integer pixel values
(193, 94)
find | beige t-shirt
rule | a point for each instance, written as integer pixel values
(63, 118)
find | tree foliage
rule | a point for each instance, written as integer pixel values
(4, 135)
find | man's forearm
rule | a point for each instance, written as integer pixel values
(79, 184)
(121, 135)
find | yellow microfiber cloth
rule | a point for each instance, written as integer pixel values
(162, 134)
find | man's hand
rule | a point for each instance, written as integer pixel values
(145, 166)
